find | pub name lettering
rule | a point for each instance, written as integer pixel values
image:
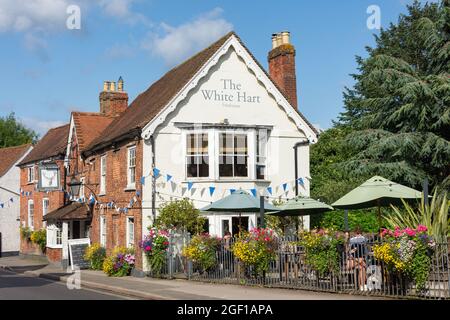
(231, 92)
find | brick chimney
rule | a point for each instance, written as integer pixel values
(282, 65)
(113, 101)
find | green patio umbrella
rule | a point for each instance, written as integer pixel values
(301, 206)
(376, 192)
(238, 201)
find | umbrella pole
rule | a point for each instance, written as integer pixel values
(379, 215)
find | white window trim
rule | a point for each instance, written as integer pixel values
(210, 134)
(103, 231)
(82, 190)
(103, 175)
(31, 174)
(131, 185)
(52, 236)
(251, 153)
(30, 225)
(128, 232)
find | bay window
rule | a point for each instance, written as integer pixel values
(197, 157)
(233, 155)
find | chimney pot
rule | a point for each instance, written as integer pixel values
(112, 86)
(274, 40)
(285, 36)
(105, 85)
(120, 84)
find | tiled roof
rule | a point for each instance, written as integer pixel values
(54, 143)
(72, 211)
(149, 103)
(88, 126)
(9, 156)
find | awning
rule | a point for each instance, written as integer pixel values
(73, 211)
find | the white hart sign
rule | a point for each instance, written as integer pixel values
(230, 92)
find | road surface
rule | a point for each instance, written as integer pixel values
(18, 286)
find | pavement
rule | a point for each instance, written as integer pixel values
(157, 289)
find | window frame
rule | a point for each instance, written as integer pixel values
(197, 133)
(131, 168)
(103, 169)
(130, 242)
(233, 155)
(31, 215)
(103, 231)
(31, 174)
(261, 155)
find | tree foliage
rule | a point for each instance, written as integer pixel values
(13, 133)
(180, 215)
(398, 110)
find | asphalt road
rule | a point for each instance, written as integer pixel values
(18, 286)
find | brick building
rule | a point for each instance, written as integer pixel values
(35, 203)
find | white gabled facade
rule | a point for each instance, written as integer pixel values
(230, 99)
(10, 213)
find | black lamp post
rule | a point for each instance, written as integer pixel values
(74, 186)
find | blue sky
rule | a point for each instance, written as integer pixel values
(49, 70)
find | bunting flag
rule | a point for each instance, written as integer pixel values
(138, 193)
(285, 186)
(143, 181)
(11, 199)
(232, 191)
(300, 181)
(253, 191)
(168, 178)
(211, 190)
(190, 184)
(156, 172)
(2, 205)
(269, 190)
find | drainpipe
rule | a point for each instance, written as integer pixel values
(298, 144)
(152, 141)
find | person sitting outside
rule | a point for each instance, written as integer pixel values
(357, 255)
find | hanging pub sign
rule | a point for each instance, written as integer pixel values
(49, 177)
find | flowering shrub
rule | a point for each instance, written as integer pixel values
(408, 252)
(95, 254)
(155, 246)
(256, 248)
(321, 250)
(39, 237)
(202, 251)
(120, 263)
(25, 233)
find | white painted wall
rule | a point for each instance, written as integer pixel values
(10, 214)
(170, 141)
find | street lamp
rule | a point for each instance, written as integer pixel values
(74, 186)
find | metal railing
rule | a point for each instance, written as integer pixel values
(366, 275)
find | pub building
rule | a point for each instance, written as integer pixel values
(216, 123)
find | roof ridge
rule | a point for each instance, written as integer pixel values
(17, 147)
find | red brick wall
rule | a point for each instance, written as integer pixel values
(282, 71)
(116, 183)
(54, 254)
(56, 200)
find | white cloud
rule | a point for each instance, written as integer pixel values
(23, 16)
(121, 9)
(41, 126)
(178, 43)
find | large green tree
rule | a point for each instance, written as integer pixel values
(396, 121)
(399, 108)
(13, 133)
